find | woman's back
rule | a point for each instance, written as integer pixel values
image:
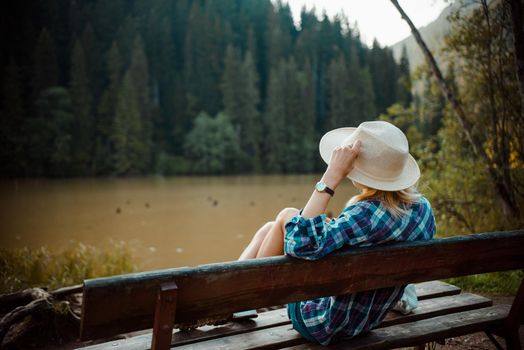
(362, 224)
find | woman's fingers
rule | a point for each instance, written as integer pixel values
(343, 157)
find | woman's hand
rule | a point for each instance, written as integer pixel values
(341, 164)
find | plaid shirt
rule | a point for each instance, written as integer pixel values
(362, 224)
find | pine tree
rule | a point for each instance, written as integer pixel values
(45, 62)
(52, 133)
(106, 113)
(130, 149)
(384, 76)
(351, 94)
(404, 81)
(250, 133)
(286, 144)
(82, 147)
(241, 98)
(231, 83)
(139, 72)
(13, 136)
(340, 98)
(275, 143)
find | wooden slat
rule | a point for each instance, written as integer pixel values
(126, 303)
(438, 306)
(427, 308)
(435, 289)
(407, 334)
(421, 332)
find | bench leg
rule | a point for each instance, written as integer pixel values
(493, 340)
(514, 320)
(164, 316)
(513, 341)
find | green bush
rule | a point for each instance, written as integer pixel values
(167, 164)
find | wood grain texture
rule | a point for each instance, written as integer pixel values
(439, 306)
(164, 316)
(424, 331)
(409, 334)
(126, 303)
(435, 289)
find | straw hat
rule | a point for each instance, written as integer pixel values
(383, 163)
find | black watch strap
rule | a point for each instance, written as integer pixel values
(330, 191)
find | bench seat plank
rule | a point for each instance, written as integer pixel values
(438, 306)
(435, 289)
(423, 331)
(274, 318)
(408, 334)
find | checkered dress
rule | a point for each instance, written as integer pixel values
(363, 224)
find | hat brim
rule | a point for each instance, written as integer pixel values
(408, 177)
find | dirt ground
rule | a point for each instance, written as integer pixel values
(478, 341)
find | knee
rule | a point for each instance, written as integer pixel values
(286, 214)
(262, 232)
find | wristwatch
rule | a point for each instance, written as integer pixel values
(322, 187)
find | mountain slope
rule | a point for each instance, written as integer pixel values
(433, 34)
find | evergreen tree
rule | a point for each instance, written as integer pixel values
(52, 133)
(203, 56)
(106, 113)
(46, 67)
(13, 131)
(351, 94)
(287, 145)
(275, 145)
(404, 89)
(139, 72)
(231, 83)
(340, 97)
(94, 62)
(384, 76)
(240, 94)
(130, 149)
(82, 146)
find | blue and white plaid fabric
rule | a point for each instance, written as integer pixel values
(362, 224)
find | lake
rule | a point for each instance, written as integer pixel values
(168, 221)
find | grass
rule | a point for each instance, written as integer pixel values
(25, 268)
(496, 283)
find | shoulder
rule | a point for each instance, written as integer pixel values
(423, 202)
(365, 208)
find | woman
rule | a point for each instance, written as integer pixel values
(375, 157)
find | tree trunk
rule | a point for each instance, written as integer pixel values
(503, 191)
(517, 23)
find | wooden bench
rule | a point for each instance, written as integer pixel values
(158, 299)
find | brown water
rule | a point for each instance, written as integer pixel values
(169, 222)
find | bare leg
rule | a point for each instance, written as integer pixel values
(267, 241)
(273, 243)
(252, 249)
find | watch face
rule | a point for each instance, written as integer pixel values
(320, 186)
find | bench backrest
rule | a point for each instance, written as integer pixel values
(126, 303)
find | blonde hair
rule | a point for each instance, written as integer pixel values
(397, 202)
